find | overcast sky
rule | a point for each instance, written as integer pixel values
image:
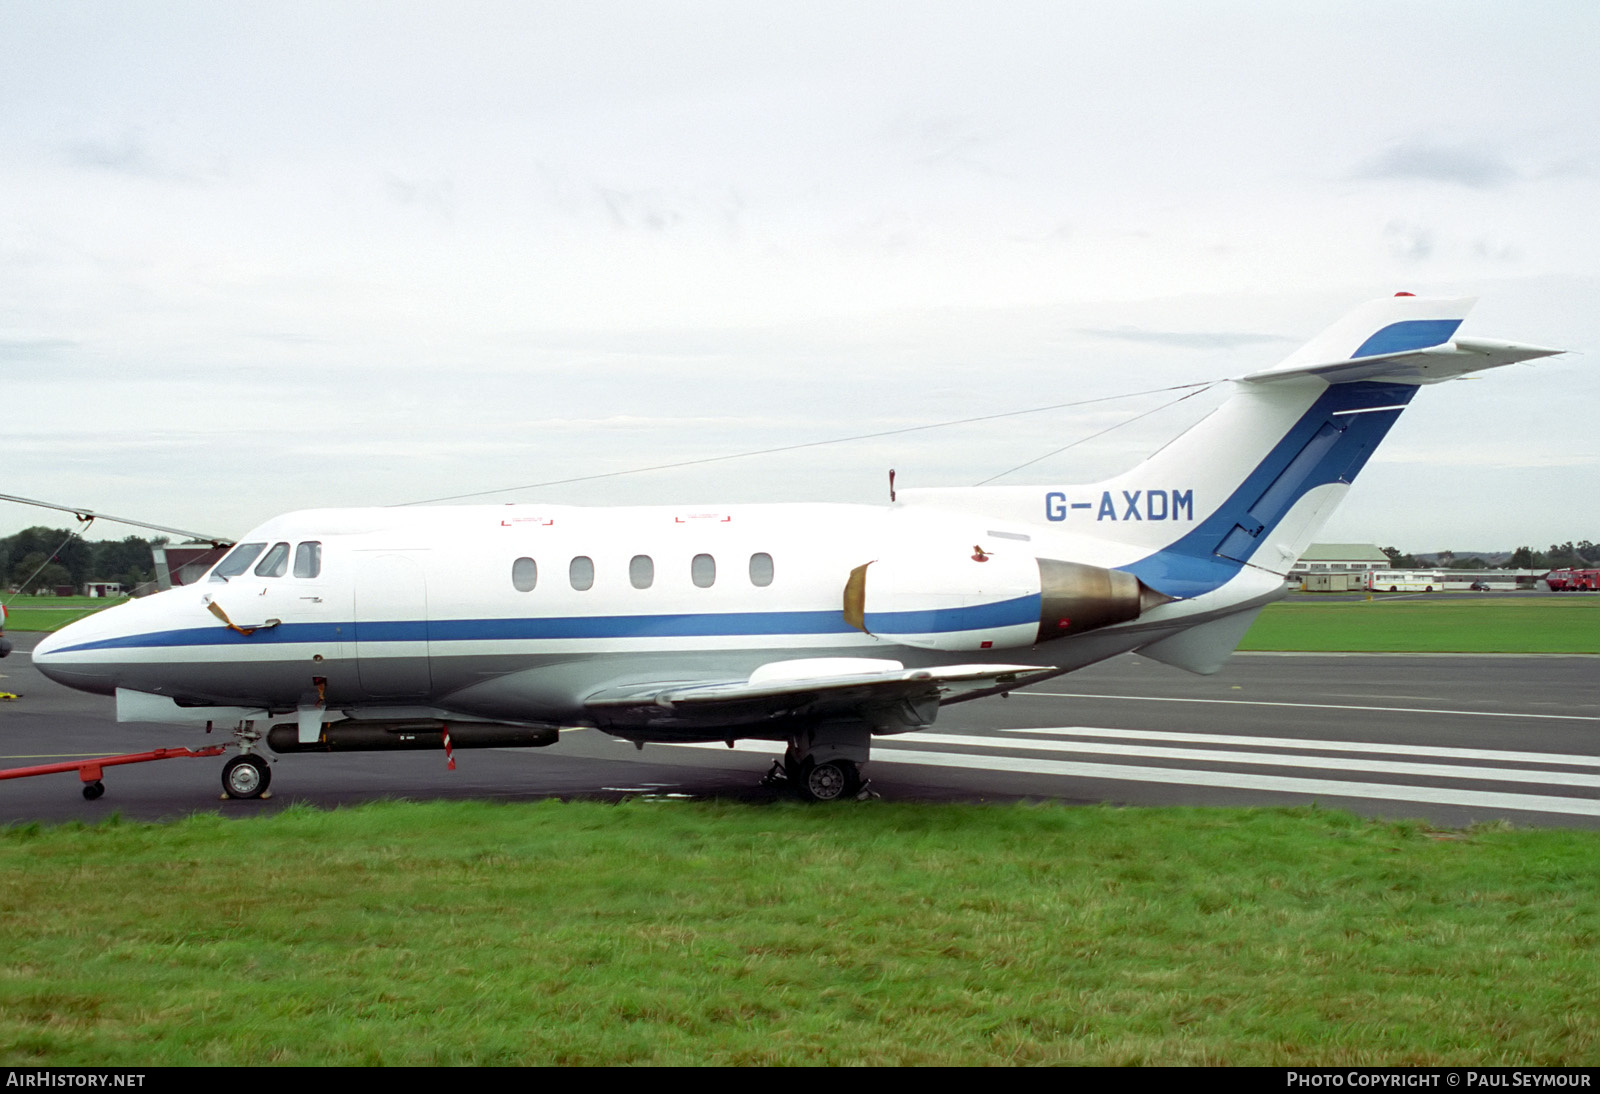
(256, 258)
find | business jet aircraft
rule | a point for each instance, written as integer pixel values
(818, 626)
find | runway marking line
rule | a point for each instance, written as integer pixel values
(1312, 706)
(1283, 784)
(1274, 759)
(1230, 780)
(1565, 759)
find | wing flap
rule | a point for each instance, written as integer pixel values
(820, 687)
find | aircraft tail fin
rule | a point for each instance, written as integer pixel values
(1251, 484)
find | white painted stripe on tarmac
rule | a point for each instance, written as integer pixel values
(1268, 759)
(1239, 780)
(1310, 706)
(1440, 751)
(1229, 780)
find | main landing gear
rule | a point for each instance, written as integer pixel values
(823, 764)
(830, 780)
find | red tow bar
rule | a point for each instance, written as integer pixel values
(89, 771)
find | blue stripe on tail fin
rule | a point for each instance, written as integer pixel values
(1330, 443)
(1408, 335)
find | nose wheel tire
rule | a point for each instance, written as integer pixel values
(246, 776)
(830, 780)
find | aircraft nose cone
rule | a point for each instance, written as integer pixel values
(45, 657)
(48, 657)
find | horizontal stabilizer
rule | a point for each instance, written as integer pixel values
(1431, 365)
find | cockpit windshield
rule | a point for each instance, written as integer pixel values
(237, 561)
(276, 563)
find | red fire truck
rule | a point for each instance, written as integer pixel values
(1573, 580)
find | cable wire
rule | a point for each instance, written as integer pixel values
(819, 444)
(1107, 429)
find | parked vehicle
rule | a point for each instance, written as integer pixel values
(1573, 580)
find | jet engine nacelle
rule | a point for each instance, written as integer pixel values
(1074, 598)
(983, 600)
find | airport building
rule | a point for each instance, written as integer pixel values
(1337, 567)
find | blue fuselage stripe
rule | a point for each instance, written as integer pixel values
(1019, 610)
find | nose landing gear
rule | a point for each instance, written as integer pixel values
(246, 776)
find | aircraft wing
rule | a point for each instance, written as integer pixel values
(883, 691)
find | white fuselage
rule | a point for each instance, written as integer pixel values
(440, 606)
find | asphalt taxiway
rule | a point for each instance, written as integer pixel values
(1450, 739)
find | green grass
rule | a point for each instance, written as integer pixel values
(1438, 624)
(49, 613)
(465, 933)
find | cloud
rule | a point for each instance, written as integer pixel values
(648, 209)
(438, 196)
(940, 141)
(1408, 241)
(127, 156)
(1206, 340)
(1494, 250)
(1488, 457)
(33, 349)
(1465, 165)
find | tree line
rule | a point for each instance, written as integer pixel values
(1582, 555)
(42, 559)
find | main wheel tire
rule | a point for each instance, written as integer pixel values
(246, 776)
(830, 780)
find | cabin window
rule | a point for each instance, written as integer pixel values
(238, 561)
(524, 575)
(308, 559)
(276, 564)
(581, 573)
(761, 569)
(703, 571)
(642, 571)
